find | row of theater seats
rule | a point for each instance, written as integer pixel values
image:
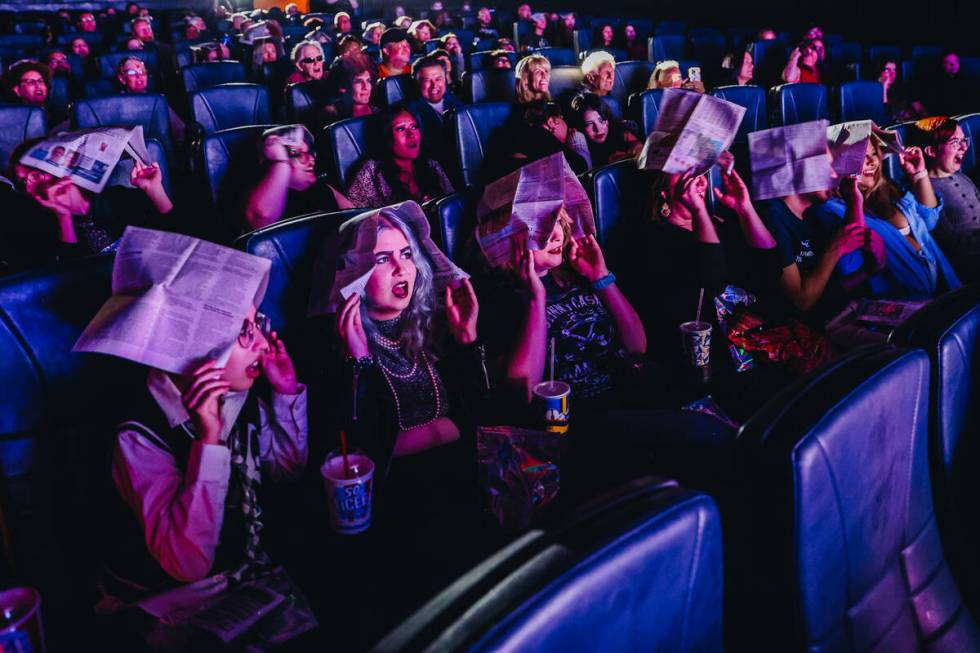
(848, 492)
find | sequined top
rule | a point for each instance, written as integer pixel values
(418, 391)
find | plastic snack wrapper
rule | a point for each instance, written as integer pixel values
(519, 471)
(708, 406)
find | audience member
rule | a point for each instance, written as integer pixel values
(635, 45)
(536, 39)
(599, 73)
(545, 131)
(804, 65)
(401, 168)
(562, 34)
(353, 82)
(898, 104)
(499, 59)
(308, 58)
(395, 53)
(608, 137)
(372, 34)
(485, 29)
(421, 32)
(341, 24)
(605, 36)
(958, 231)
(735, 71)
(133, 79)
(434, 104)
(533, 76)
(667, 74)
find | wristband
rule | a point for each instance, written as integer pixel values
(919, 175)
(604, 282)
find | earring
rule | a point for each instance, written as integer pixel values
(665, 210)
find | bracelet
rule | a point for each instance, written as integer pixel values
(361, 364)
(920, 174)
(604, 282)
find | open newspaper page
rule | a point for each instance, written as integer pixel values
(87, 156)
(692, 130)
(849, 143)
(790, 160)
(528, 201)
(176, 301)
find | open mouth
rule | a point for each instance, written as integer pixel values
(400, 290)
(254, 370)
(555, 251)
(958, 159)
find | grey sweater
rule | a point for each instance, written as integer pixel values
(958, 230)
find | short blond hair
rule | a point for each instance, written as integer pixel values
(657, 76)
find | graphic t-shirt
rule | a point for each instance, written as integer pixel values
(796, 239)
(586, 341)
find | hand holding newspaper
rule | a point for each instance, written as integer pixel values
(528, 201)
(88, 156)
(790, 160)
(176, 301)
(355, 262)
(692, 130)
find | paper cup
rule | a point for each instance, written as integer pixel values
(697, 342)
(349, 498)
(20, 621)
(552, 403)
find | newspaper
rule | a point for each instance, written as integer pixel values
(88, 156)
(337, 276)
(528, 201)
(848, 143)
(692, 130)
(790, 160)
(176, 301)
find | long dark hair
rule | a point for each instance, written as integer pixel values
(615, 139)
(425, 176)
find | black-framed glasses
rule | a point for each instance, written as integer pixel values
(294, 153)
(262, 323)
(309, 60)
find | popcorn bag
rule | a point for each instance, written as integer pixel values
(519, 471)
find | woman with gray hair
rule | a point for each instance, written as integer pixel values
(599, 73)
(288, 185)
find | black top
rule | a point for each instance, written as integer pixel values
(314, 199)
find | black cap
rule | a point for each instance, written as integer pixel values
(393, 35)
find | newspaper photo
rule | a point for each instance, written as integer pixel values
(528, 201)
(88, 156)
(355, 265)
(692, 130)
(790, 160)
(176, 301)
(848, 143)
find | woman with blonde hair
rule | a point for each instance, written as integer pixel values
(533, 75)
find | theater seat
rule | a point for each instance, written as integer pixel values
(149, 110)
(304, 101)
(893, 167)
(970, 123)
(473, 127)
(96, 88)
(558, 56)
(667, 46)
(292, 246)
(862, 100)
(645, 107)
(220, 149)
(707, 44)
(395, 89)
(753, 99)
(638, 569)
(884, 53)
(453, 219)
(345, 143)
(846, 52)
(839, 550)
(564, 81)
(796, 103)
(57, 423)
(121, 173)
(769, 58)
(17, 124)
(949, 329)
(614, 190)
(618, 54)
(200, 76)
(109, 63)
(489, 85)
(631, 77)
(230, 105)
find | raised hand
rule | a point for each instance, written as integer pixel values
(202, 399)
(274, 150)
(585, 257)
(689, 191)
(850, 191)
(849, 238)
(278, 367)
(351, 329)
(146, 178)
(524, 266)
(913, 161)
(736, 194)
(462, 311)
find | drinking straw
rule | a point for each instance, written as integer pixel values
(343, 450)
(700, 301)
(552, 375)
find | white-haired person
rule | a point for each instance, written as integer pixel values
(308, 58)
(598, 73)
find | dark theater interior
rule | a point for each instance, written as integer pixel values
(558, 327)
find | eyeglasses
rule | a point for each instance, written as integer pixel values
(294, 153)
(33, 82)
(309, 60)
(959, 142)
(262, 322)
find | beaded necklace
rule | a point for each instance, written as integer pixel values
(391, 349)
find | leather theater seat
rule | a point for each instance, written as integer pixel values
(230, 105)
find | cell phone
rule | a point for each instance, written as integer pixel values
(694, 74)
(226, 41)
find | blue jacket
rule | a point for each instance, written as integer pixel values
(908, 274)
